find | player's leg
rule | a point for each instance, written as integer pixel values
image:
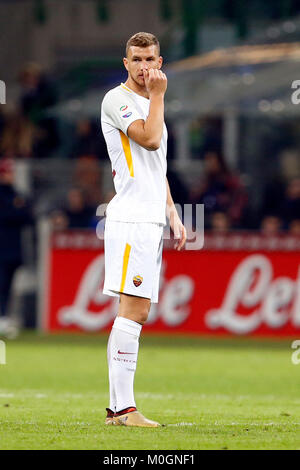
(122, 351)
(124, 348)
(133, 313)
(134, 308)
(131, 265)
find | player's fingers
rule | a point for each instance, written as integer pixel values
(155, 75)
(160, 75)
(182, 240)
(177, 234)
(146, 74)
(177, 231)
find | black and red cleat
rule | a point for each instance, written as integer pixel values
(109, 416)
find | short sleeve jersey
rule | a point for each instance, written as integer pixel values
(139, 175)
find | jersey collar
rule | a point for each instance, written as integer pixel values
(133, 92)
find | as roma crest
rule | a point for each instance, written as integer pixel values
(137, 281)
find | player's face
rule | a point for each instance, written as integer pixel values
(139, 59)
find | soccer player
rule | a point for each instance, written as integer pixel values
(132, 119)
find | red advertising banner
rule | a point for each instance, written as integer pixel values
(236, 285)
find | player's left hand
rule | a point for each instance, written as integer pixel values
(179, 231)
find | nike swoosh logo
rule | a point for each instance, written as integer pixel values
(120, 352)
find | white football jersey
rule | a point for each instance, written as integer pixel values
(139, 175)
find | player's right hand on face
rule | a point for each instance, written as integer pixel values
(155, 81)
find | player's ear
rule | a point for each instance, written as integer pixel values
(125, 62)
(160, 62)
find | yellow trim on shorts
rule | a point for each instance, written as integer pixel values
(127, 151)
(125, 266)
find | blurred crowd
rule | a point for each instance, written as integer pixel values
(27, 131)
(78, 209)
(226, 201)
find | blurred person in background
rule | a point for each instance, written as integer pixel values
(271, 225)
(220, 223)
(86, 141)
(14, 215)
(38, 94)
(220, 189)
(99, 223)
(75, 213)
(58, 220)
(88, 177)
(78, 213)
(274, 194)
(178, 189)
(294, 227)
(290, 207)
(19, 136)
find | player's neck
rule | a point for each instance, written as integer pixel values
(136, 88)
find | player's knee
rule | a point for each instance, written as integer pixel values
(142, 316)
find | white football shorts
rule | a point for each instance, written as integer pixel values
(133, 254)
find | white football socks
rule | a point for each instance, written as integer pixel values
(122, 352)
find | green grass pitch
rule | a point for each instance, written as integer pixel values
(211, 394)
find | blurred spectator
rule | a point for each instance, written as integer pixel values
(220, 189)
(212, 139)
(14, 215)
(272, 196)
(75, 213)
(79, 214)
(177, 187)
(271, 225)
(294, 228)
(220, 223)
(205, 136)
(87, 176)
(290, 207)
(19, 137)
(58, 220)
(108, 196)
(171, 143)
(37, 92)
(86, 142)
(37, 95)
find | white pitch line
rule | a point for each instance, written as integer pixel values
(182, 424)
(145, 395)
(235, 424)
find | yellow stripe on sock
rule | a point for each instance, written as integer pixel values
(125, 266)
(127, 151)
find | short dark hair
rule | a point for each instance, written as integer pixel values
(142, 40)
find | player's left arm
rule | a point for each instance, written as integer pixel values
(176, 225)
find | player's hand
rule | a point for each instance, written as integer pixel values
(155, 81)
(179, 231)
